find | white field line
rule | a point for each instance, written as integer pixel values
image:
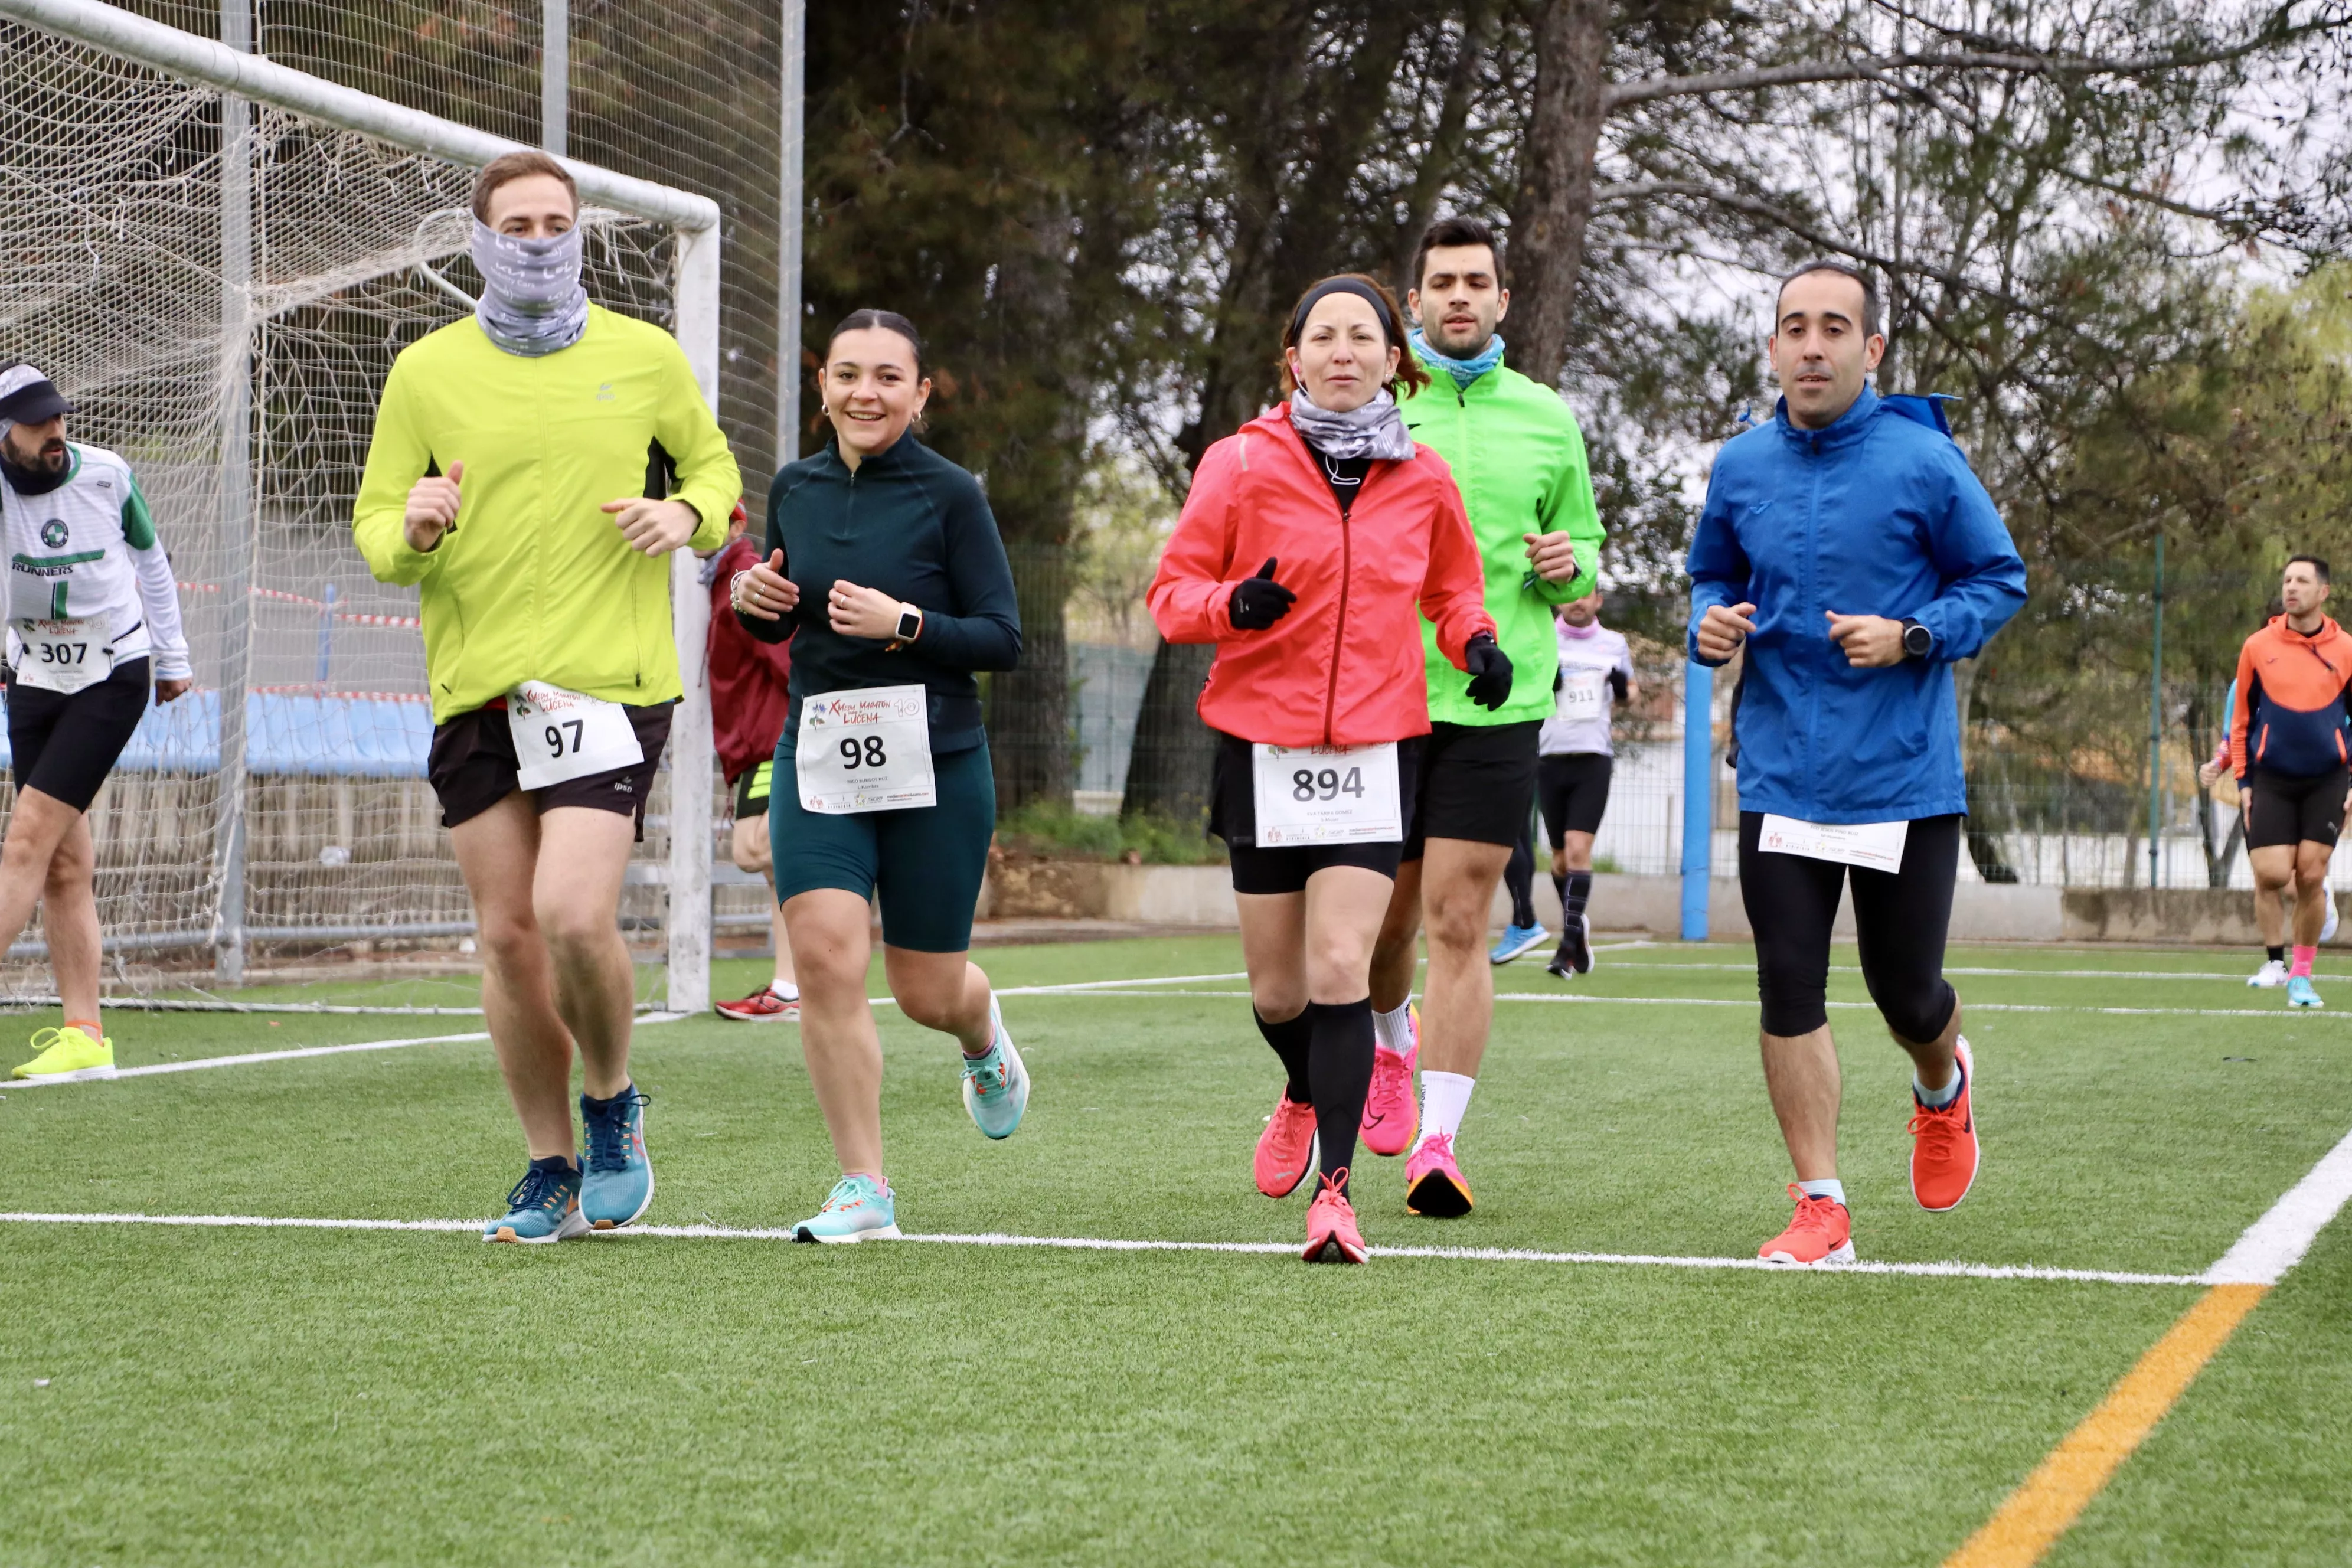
(1670, 964)
(1584, 1001)
(2276, 1242)
(202, 1063)
(1098, 1244)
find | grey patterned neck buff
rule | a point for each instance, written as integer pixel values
(1375, 430)
(533, 302)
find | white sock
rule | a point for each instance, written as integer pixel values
(786, 989)
(1832, 1189)
(1444, 1096)
(1393, 1028)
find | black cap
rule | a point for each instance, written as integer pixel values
(28, 397)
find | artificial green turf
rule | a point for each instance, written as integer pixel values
(325, 1397)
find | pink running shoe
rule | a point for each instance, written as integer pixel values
(1286, 1149)
(1434, 1185)
(1392, 1111)
(1331, 1233)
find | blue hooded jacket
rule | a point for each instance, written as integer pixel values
(1878, 514)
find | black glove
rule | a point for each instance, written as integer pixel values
(1258, 601)
(1490, 672)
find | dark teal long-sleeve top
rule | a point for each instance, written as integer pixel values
(917, 527)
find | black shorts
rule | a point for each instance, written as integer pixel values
(2289, 811)
(1477, 782)
(752, 790)
(1900, 919)
(1233, 816)
(65, 745)
(472, 767)
(1572, 791)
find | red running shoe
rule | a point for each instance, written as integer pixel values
(1286, 1149)
(1434, 1186)
(1943, 1144)
(1392, 1111)
(763, 1006)
(1331, 1233)
(1821, 1233)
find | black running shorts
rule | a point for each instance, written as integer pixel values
(1233, 816)
(1572, 791)
(2287, 811)
(1900, 919)
(1477, 783)
(65, 745)
(472, 767)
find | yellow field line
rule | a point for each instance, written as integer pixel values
(2040, 1510)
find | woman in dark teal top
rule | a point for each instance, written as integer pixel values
(886, 568)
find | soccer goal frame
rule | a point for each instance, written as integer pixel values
(228, 66)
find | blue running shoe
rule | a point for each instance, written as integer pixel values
(617, 1178)
(859, 1208)
(2299, 993)
(1518, 940)
(543, 1206)
(996, 1086)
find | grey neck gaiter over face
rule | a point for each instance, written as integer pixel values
(532, 302)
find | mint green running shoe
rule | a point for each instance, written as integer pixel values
(859, 1208)
(544, 1206)
(2300, 993)
(996, 1086)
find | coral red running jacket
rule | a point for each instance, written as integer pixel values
(1345, 667)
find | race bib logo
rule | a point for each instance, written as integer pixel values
(53, 534)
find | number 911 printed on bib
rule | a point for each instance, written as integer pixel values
(560, 734)
(866, 750)
(1580, 694)
(1325, 794)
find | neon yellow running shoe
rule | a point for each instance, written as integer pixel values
(64, 1056)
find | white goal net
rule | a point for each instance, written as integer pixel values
(220, 282)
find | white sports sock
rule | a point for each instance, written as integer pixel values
(1832, 1189)
(1444, 1096)
(1393, 1028)
(785, 989)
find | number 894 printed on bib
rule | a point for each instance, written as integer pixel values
(1325, 794)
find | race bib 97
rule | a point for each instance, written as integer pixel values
(865, 750)
(64, 655)
(1325, 794)
(560, 734)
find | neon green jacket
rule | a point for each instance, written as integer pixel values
(535, 582)
(1519, 458)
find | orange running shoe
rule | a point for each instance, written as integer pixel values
(1434, 1186)
(1821, 1233)
(1286, 1149)
(1943, 1144)
(1331, 1233)
(1392, 1111)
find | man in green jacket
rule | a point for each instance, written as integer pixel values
(518, 477)
(1519, 458)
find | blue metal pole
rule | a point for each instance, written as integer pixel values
(1698, 795)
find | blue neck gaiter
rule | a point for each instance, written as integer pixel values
(1463, 371)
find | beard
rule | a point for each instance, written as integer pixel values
(1453, 342)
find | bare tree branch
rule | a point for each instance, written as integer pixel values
(2021, 61)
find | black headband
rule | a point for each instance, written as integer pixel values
(1361, 291)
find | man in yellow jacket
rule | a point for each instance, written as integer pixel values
(518, 477)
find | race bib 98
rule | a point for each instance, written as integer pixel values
(865, 750)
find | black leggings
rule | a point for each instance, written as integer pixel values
(1900, 919)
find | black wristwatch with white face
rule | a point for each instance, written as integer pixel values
(1918, 642)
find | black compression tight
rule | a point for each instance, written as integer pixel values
(1340, 1070)
(1900, 920)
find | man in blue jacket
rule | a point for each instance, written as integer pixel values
(1849, 548)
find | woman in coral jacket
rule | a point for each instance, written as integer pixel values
(1317, 695)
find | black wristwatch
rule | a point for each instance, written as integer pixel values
(1918, 642)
